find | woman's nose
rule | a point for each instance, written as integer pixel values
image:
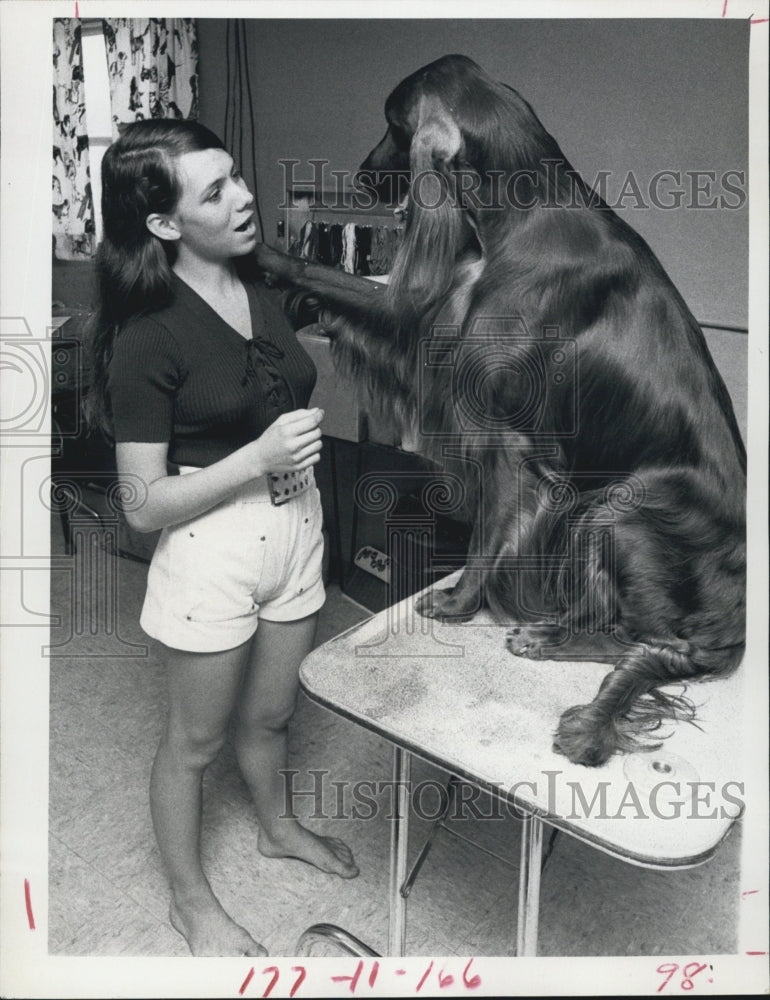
(243, 198)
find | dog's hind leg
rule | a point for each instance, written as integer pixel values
(619, 717)
(680, 582)
(552, 641)
(582, 589)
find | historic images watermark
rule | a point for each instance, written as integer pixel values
(556, 186)
(430, 799)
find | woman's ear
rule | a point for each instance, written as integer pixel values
(162, 226)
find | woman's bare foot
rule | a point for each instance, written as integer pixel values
(293, 841)
(209, 931)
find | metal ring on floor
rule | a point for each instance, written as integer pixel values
(330, 932)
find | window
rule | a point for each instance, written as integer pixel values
(96, 84)
(108, 72)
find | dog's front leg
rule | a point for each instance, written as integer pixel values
(502, 534)
(348, 294)
(459, 603)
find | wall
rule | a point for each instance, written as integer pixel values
(619, 96)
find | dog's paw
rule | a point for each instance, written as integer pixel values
(536, 641)
(439, 604)
(277, 266)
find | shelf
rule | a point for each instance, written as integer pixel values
(312, 201)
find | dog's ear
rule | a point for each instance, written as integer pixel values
(437, 139)
(424, 266)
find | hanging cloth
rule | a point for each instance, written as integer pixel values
(349, 247)
(72, 203)
(153, 68)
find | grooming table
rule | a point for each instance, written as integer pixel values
(454, 696)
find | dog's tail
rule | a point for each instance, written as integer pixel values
(629, 706)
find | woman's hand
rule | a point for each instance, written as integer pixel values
(291, 443)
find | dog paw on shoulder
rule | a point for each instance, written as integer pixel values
(275, 263)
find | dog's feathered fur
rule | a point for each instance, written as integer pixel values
(616, 532)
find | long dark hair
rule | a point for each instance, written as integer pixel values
(134, 267)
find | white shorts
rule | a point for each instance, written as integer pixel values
(212, 578)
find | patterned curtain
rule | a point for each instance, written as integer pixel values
(73, 212)
(153, 68)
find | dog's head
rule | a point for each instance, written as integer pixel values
(423, 133)
(452, 132)
(415, 162)
(451, 116)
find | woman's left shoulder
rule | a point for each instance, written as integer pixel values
(272, 302)
(275, 303)
(272, 297)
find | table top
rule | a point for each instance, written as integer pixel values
(454, 696)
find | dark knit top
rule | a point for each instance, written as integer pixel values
(183, 375)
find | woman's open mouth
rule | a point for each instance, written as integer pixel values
(245, 226)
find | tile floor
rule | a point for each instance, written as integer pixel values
(108, 896)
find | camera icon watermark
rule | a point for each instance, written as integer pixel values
(500, 379)
(24, 360)
(410, 558)
(34, 370)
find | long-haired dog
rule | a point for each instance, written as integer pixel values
(531, 336)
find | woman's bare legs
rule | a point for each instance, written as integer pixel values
(265, 707)
(260, 677)
(202, 688)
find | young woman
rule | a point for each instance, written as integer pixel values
(204, 387)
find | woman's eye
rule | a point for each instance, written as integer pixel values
(215, 195)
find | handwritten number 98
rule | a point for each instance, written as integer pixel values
(688, 972)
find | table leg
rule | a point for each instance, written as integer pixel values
(437, 824)
(529, 886)
(399, 835)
